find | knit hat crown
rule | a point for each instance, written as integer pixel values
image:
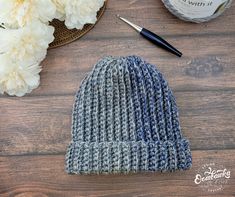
(125, 119)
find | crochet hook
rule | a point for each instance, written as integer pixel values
(152, 37)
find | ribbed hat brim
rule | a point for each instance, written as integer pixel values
(125, 157)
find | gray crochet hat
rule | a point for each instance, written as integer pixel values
(125, 119)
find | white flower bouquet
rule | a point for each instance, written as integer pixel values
(25, 35)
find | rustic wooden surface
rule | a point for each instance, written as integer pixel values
(35, 129)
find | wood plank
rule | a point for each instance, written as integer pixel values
(41, 125)
(206, 65)
(45, 176)
(153, 15)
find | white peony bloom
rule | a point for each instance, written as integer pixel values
(18, 78)
(60, 9)
(81, 12)
(18, 13)
(28, 44)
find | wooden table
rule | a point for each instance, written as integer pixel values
(35, 129)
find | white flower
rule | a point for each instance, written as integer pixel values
(18, 78)
(60, 9)
(28, 44)
(81, 12)
(17, 13)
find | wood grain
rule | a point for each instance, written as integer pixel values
(45, 176)
(47, 121)
(35, 129)
(204, 66)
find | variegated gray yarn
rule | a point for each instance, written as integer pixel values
(175, 12)
(125, 119)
